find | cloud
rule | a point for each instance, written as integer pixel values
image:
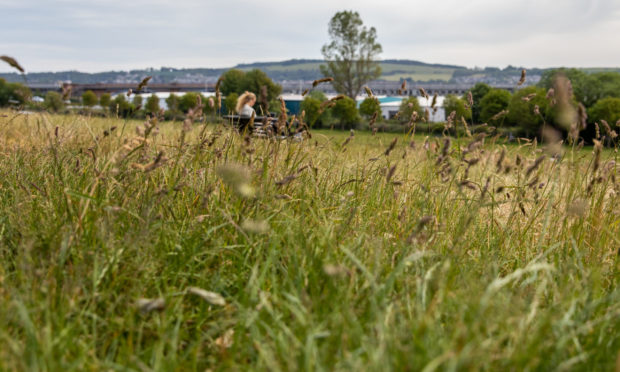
(114, 34)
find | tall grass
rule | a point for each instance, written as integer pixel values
(147, 246)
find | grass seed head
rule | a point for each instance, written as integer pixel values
(13, 63)
(211, 297)
(323, 80)
(423, 93)
(391, 147)
(238, 177)
(147, 305)
(143, 83)
(522, 80)
(567, 114)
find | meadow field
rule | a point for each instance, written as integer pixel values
(138, 246)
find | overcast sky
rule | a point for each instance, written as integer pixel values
(97, 35)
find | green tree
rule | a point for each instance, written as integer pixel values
(255, 79)
(493, 103)
(232, 81)
(369, 106)
(345, 111)
(104, 100)
(173, 103)
(478, 91)
(522, 109)
(89, 98)
(601, 85)
(13, 92)
(152, 104)
(230, 102)
(407, 107)
(120, 106)
(189, 100)
(312, 105)
(237, 81)
(53, 102)
(587, 88)
(456, 104)
(607, 109)
(137, 100)
(351, 55)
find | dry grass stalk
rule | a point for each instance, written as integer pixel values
(147, 305)
(369, 92)
(567, 114)
(373, 119)
(464, 122)
(534, 166)
(66, 91)
(470, 99)
(500, 114)
(612, 133)
(522, 80)
(390, 173)
(13, 63)
(423, 93)
(143, 83)
(225, 341)
(583, 115)
(500, 161)
(391, 147)
(346, 141)
(598, 147)
(211, 297)
(528, 97)
(323, 80)
(218, 94)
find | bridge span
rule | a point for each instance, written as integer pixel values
(389, 88)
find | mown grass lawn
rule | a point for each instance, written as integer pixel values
(131, 246)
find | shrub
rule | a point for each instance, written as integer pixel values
(89, 99)
(607, 109)
(345, 111)
(312, 105)
(189, 100)
(477, 92)
(522, 109)
(120, 106)
(173, 104)
(105, 100)
(493, 103)
(13, 93)
(53, 102)
(369, 106)
(230, 102)
(137, 100)
(456, 104)
(408, 106)
(237, 81)
(152, 105)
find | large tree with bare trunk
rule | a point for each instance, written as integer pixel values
(351, 56)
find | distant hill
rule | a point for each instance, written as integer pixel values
(295, 70)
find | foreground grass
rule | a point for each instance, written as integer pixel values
(320, 255)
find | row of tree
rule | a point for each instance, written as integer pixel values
(532, 107)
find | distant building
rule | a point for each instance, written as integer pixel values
(390, 105)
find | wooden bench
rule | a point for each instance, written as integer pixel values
(263, 126)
